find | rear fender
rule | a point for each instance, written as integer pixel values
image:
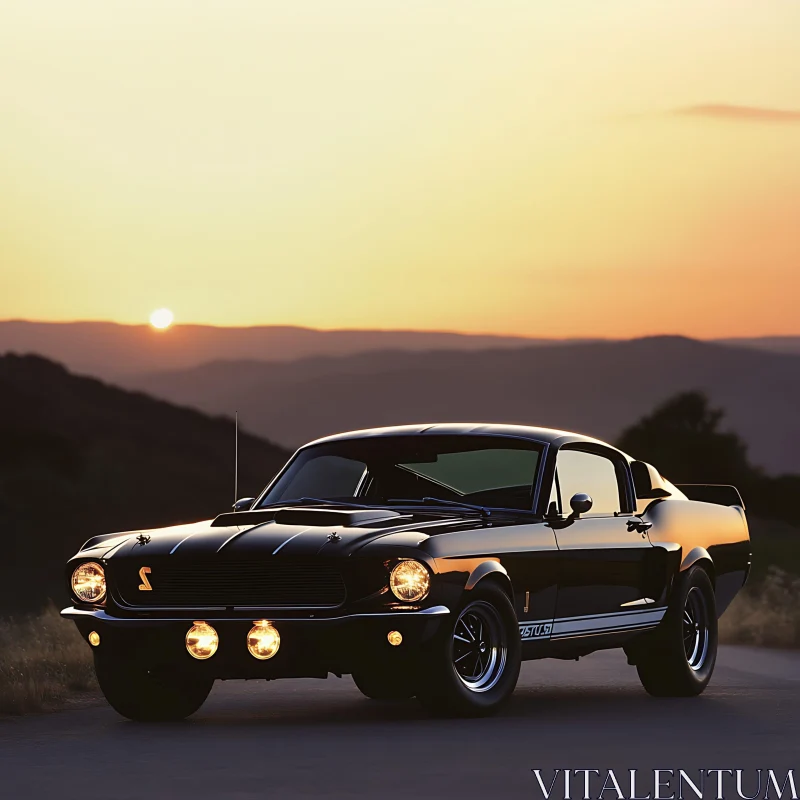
(695, 556)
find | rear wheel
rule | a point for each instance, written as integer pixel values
(148, 695)
(679, 659)
(473, 666)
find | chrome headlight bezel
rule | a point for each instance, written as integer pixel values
(87, 568)
(410, 580)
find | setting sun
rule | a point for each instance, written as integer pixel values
(161, 318)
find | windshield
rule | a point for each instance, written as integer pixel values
(482, 470)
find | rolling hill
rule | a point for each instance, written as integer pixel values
(597, 388)
(78, 458)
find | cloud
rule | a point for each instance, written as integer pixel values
(731, 113)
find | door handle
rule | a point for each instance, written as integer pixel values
(639, 525)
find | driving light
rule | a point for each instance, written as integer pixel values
(263, 640)
(94, 638)
(409, 581)
(89, 582)
(395, 638)
(202, 641)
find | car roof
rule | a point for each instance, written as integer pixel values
(540, 435)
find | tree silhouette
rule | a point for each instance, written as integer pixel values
(683, 439)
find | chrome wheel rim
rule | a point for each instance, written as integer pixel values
(695, 629)
(479, 647)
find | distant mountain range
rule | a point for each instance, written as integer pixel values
(597, 388)
(78, 458)
(108, 350)
(774, 344)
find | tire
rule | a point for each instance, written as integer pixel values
(147, 696)
(680, 658)
(462, 678)
(386, 686)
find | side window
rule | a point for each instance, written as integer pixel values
(590, 474)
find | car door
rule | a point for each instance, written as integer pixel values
(605, 553)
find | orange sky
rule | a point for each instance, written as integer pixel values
(550, 169)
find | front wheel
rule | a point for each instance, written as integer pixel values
(473, 665)
(680, 658)
(148, 695)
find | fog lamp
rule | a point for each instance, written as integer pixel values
(89, 582)
(410, 581)
(395, 638)
(263, 640)
(202, 641)
(94, 638)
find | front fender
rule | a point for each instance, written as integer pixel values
(483, 570)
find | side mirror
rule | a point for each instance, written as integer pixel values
(580, 504)
(245, 504)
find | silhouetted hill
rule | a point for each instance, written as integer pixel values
(78, 458)
(107, 350)
(597, 388)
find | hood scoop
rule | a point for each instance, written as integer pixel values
(324, 517)
(243, 518)
(311, 517)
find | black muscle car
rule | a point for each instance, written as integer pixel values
(425, 560)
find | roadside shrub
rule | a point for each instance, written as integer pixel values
(43, 661)
(766, 614)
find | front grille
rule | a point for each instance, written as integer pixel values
(266, 583)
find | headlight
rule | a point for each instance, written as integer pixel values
(410, 581)
(89, 582)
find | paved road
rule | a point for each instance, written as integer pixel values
(298, 739)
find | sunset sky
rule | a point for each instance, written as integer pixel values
(536, 167)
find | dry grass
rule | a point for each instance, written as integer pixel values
(766, 614)
(43, 663)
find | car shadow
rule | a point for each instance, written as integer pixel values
(548, 707)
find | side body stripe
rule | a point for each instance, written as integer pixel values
(591, 624)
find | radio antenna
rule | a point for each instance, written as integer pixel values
(236, 459)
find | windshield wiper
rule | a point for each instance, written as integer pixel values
(484, 511)
(437, 501)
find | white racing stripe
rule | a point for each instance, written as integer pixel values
(591, 624)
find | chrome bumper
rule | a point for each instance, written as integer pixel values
(100, 615)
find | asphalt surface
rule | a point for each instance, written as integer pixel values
(298, 739)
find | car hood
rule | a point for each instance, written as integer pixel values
(296, 533)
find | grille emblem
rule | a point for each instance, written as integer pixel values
(334, 537)
(145, 586)
(143, 538)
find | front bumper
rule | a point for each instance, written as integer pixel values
(310, 647)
